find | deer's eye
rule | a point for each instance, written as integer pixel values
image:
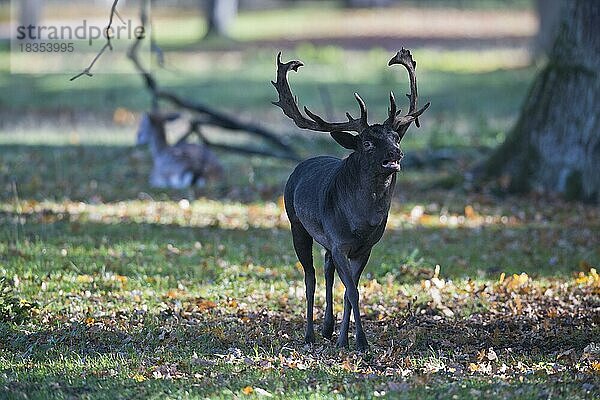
(367, 145)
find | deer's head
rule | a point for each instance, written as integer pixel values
(377, 145)
(152, 125)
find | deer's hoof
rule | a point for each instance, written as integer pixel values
(309, 338)
(327, 332)
(342, 342)
(362, 345)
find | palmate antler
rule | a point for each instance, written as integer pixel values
(401, 123)
(289, 104)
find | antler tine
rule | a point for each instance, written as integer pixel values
(363, 108)
(392, 110)
(289, 105)
(401, 123)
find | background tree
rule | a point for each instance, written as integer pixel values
(219, 16)
(548, 12)
(555, 144)
(367, 3)
(30, 12)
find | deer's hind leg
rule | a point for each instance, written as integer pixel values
(329, 321)
(303, 246)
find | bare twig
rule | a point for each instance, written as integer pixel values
(107, 46)
(155, 48)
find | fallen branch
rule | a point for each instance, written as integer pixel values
(210, 116)
(195, 128)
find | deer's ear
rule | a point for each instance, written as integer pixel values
(346, 140)
(172, 116)
(160, 118)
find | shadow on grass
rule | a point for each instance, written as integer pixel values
(104, 173)
(219, 350)
(184, 328)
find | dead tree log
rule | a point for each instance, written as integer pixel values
(206, 114)
(549, 15)
(219, 16)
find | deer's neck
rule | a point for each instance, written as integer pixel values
(370, 188)
(158, 143)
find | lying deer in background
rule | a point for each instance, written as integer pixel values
(179, 166)
(344, 204)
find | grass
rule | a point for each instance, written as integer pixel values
(112, 289)
(203, 299)
(120, 290)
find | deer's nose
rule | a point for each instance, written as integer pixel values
(395, 153)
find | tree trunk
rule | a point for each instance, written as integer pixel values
(548, 12)
(219, 15)
(366, 3)
(30, 12)
(555, 144)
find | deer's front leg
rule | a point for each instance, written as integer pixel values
(343, 267)
(357, 266)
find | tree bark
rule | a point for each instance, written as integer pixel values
(555, 144)
(219, 16)
(548, 12)
(366, 3)
(30, 12)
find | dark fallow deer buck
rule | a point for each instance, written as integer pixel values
(344, 204)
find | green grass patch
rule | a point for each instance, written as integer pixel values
(136, 297)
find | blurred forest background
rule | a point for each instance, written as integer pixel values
(475, 64)
(110, 286)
